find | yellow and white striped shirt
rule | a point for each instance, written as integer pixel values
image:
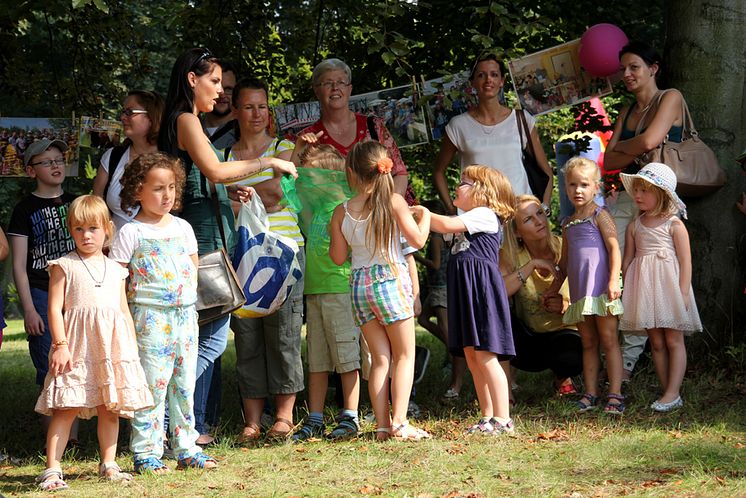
(285, 221)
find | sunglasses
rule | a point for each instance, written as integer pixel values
(206, 54)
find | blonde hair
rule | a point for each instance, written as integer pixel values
(513, 245)
(90, 210)
(491, 189)
(663, 202)
(362, 161)
(583, 164)
(322, 156)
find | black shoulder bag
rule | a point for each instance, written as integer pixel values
(537, 177)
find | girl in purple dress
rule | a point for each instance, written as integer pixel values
(478, 312)
(592, 261)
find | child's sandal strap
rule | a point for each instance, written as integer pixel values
(116, 475)
(52, 480)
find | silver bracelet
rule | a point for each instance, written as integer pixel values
(521, 277)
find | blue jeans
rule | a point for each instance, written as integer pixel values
(38, 345)
(213, 338)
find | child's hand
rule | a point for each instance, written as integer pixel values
(32, 323)
(687, 298)
(60, 361)
(614, 290)
(240, 193)
(303, 141)
(417, 211)
(553, 303)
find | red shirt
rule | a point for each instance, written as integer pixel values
(362, 134)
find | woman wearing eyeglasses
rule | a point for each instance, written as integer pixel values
(194, 87)
(141, 119)
(489, 134)
(343, 128)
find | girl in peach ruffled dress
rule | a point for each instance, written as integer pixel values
(94, 368)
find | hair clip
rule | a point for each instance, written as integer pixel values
(384, 165)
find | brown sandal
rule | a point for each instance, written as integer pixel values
(278, 434)
(250, 434)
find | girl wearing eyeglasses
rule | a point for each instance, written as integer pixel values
(141, 121)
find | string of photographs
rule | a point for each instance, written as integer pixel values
(414, 114)
(544, 82)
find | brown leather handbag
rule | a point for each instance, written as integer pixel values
(698, 172)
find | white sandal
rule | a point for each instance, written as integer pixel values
(406, 432)
(52, 480)
(116, 476)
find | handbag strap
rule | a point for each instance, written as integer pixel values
(655, 102)
(216, 208)
(523, 126)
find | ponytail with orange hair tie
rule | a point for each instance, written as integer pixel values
(384, 165)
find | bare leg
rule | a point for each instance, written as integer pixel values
(108, 432)
(609, 339)
(317, 385)
(401, 339)
(350, 389)
(659, 352)
(676, 364)
(58, 434)
(480, 383)
(284, 404)
(252, 408)
(497, 382)
(378, 378)
(591, 361)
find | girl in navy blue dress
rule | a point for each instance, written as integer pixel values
(478, 313)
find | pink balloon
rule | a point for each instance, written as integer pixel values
(599, 49)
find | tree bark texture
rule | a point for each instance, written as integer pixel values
(705, 58)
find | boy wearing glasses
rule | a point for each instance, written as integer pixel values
(38, 233)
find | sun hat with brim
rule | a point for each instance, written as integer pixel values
(41, 146)
(661, 176)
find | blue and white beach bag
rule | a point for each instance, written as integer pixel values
(266, 263)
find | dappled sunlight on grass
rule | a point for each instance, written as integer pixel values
(697, 451)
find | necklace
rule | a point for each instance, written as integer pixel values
(96, 282)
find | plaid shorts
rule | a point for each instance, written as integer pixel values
(381, 292)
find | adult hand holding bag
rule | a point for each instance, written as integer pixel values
(266, 262)
(698, 172)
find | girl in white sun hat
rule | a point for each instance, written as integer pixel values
(657, 269)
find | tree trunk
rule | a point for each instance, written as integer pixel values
(706, 59)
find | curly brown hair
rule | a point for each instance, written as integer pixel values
(134, 175)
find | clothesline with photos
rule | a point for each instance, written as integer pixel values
(415, 113)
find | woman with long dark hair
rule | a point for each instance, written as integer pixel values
(658, 117)
(193, 89)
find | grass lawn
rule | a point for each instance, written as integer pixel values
(697, 451)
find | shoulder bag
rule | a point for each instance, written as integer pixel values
(698, 172)
(218, 290)
(537, 177)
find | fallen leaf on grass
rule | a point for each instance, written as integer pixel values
(370, 490)
(553, 435)
(740, 446)
(668, 471)
(719, 480)
(456, 449)
(459, 494)
(675, 434)
(300, 449)
(652, 483)
(362, 449)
